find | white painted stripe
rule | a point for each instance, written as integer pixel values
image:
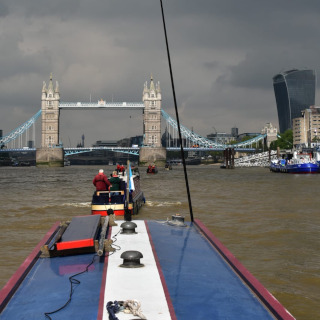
(142, 284)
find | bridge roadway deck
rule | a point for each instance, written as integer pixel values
(123, 149)
(101, 105)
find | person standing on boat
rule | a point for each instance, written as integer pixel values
(115, 182)
(122, 169)
(101, 181)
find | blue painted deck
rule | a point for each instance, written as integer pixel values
(47, 288)
(200, 283)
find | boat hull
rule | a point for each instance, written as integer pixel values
(152, 171)
(118, 208)
(295, 168)
(182, 268)
(116, 200)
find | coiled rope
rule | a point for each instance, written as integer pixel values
(134, 307)
(113, 308)
(128, 306)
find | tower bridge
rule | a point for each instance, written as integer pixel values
(50, 114)
(52, 153)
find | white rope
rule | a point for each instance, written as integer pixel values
(134, 307)
(176, 223)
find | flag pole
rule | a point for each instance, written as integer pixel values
(128, 181)
(127, 214)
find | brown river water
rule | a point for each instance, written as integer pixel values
(269, 221)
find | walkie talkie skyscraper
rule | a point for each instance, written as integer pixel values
(294, 91)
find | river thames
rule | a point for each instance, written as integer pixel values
(269, 221)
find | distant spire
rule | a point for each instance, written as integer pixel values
(50, 86)
(145, 89)
(57, 86)
(151, 84)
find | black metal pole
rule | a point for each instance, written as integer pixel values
(177, 115)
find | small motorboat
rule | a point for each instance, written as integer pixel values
(152, 169)
(168, 166)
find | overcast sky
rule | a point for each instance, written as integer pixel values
(224, 55)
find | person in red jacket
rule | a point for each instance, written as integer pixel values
(101, 181)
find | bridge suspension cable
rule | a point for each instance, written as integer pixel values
(202, 142)
(190, 135)
(17, 133)
(191, 138)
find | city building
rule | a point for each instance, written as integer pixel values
(294, 91)
(234, 131)
(223, 137)
(247, 134)
(1, 143)
(106, 143)
(137, 141)
(306, 128)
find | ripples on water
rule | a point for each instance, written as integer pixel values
(269, 221)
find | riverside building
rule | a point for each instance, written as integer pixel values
(306, 128)
(294, 91)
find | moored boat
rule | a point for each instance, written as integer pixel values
(298, 163)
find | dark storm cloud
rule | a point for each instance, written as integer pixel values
(224, 55)
(257, 69)
(14, 62)
(34, 8)
(3, 10)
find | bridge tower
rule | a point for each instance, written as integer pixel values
(272, 133)
(152, 151)
(51, 152)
